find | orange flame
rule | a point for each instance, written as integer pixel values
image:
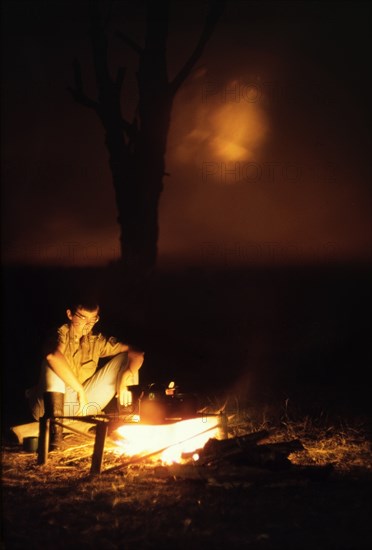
(171, 440)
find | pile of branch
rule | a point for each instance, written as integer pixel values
(245, 460)
(246, 450)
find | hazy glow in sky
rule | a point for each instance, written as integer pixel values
(221, 131)
(266, 150)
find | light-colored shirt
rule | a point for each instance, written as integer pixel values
(83, 355)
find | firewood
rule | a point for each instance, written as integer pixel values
(216, 446)
(245, 450)
(32, 429)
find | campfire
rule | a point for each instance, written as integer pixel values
(173, 441)
(168, 426)
(164, 424)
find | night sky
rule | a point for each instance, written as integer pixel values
(268, 147)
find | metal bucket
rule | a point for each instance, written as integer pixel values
(30, 444)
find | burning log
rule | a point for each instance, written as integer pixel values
(224, 445)
(245, 450)
(167, 441)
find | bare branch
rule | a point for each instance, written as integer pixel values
(210, 23)
(108, 14)
(120, 78)
(83, 99)
(78, 79)
(127, 126)
(129, 42)
(78, 92)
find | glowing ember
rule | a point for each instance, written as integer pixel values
(171, 440)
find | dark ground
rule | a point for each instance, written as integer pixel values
(151, 508)
(263, 337)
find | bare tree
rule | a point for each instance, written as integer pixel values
(137, 148)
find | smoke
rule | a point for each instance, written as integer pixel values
(244, 189)
(209, 124)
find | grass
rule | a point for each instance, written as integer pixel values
(343, 442)
(147, 505)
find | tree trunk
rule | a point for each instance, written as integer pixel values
(137, 149)
(142, 185)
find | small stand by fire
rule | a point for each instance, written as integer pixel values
(167, 417)
(101, 424)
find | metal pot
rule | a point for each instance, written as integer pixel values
(30, 444)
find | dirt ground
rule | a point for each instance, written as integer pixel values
(322, 501)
